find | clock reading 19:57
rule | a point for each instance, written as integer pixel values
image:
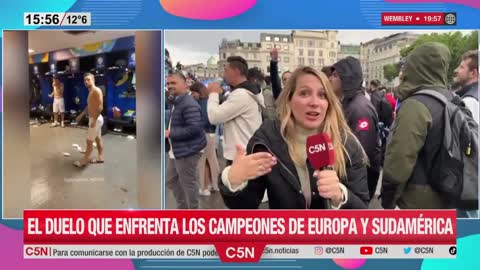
(432, 18)
(57, 18)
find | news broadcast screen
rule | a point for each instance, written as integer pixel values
(254, 134)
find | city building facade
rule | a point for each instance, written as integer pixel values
(299, 48)
(250, 51)
(202, 71)
(345, 50)
(285, 47)
(377, 53)
(315, 48)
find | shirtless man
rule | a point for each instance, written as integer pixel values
(58, 102)
(95, 121)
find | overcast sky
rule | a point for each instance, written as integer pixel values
(192, 47)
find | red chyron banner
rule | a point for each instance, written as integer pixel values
(227, 228)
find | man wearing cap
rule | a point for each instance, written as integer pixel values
(346, 79)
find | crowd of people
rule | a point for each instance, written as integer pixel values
(266, 120)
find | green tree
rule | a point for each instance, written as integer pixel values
(457, 42)
(390, 72)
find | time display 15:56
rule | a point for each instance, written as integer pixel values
(70, 18)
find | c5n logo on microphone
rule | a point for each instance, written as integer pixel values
(320, 148)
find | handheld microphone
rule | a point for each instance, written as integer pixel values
(321, 154)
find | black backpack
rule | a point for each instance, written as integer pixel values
(457, 179)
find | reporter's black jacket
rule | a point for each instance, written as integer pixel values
(282, 183)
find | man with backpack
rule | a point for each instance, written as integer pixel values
(466, 76)
(431, 160)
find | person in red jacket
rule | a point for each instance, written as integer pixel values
(391, 99)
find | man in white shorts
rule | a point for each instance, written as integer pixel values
(95, 121)
(58, 102)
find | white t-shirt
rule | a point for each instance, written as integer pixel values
(472, 105)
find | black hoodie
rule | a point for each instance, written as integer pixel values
(250, 86)
(359, 112)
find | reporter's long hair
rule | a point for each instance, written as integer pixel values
(334, 123)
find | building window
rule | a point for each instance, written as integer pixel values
(247, 55)
(286, 59)
(254, 56)
(224, 55)
(311, 43)
(300, 52)
(301, 61)
(269, 46)
(311, 53)
(311, 61)
(332, 45)
(285, 39)
(300, 43)
(267, 38)
(320, 53)
(277, 39)
(332, 55)
(279, 47)
(285, 47)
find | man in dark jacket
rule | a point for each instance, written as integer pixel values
(466, 75)
(361, 116)
(417, 133)
(187, 139)
(380, 103)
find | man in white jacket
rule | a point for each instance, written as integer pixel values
(241, 112)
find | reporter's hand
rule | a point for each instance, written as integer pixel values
(328, 185)
(167, 133)
(247, 167)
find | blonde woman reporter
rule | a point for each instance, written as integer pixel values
(276, 159)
